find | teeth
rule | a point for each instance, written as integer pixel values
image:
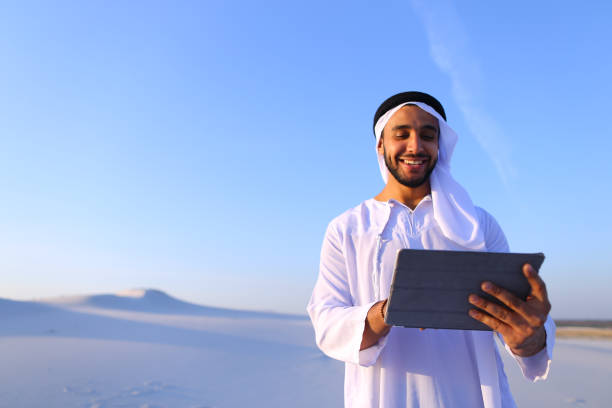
(413, 162)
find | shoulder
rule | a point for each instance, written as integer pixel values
(356, 219)
(485, 218)
(495, 239)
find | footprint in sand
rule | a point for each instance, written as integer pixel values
(575, 402)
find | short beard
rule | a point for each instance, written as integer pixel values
(403, 181)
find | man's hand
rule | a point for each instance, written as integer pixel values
(521, 323)
(375, 326)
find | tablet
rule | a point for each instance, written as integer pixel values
(430, 288)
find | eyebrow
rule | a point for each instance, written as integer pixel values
(398, 127)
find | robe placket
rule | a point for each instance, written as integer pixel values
(483, 341)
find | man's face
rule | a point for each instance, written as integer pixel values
(410, 145)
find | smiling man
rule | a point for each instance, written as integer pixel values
(420, 207)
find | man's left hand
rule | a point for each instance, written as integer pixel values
(521, 323)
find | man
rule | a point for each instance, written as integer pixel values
(422, 207)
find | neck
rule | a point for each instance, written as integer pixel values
(409, 196)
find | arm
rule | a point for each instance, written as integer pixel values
(531, 341)
(344, 331)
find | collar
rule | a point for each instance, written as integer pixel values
(395, 203)
(381, 218)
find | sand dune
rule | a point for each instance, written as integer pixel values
(13, 308)
(152, 301)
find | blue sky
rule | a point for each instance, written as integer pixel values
(202, 147)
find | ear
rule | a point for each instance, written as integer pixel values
(379, 146)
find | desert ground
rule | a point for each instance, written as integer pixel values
(146, 349)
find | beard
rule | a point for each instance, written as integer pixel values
(405, 181)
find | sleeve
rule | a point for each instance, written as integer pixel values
(338, 324)
(534, 367)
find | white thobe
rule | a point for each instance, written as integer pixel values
(407, 367)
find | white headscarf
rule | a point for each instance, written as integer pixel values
(453, 208)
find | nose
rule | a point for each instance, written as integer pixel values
(414, 143)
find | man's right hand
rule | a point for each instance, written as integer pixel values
(375, 326)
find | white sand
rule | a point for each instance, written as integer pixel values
(146, 349)
(580, 376)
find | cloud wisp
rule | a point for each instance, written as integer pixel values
(449, 48)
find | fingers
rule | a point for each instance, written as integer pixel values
(538, 287)
(500, 313)
(489, 320)
(505, 296)
(533, 317)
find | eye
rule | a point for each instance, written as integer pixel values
(428, 136)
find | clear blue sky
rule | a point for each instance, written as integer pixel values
(202, 147)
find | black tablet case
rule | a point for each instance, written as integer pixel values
(430, 288)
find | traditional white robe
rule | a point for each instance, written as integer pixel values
(408, 367)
